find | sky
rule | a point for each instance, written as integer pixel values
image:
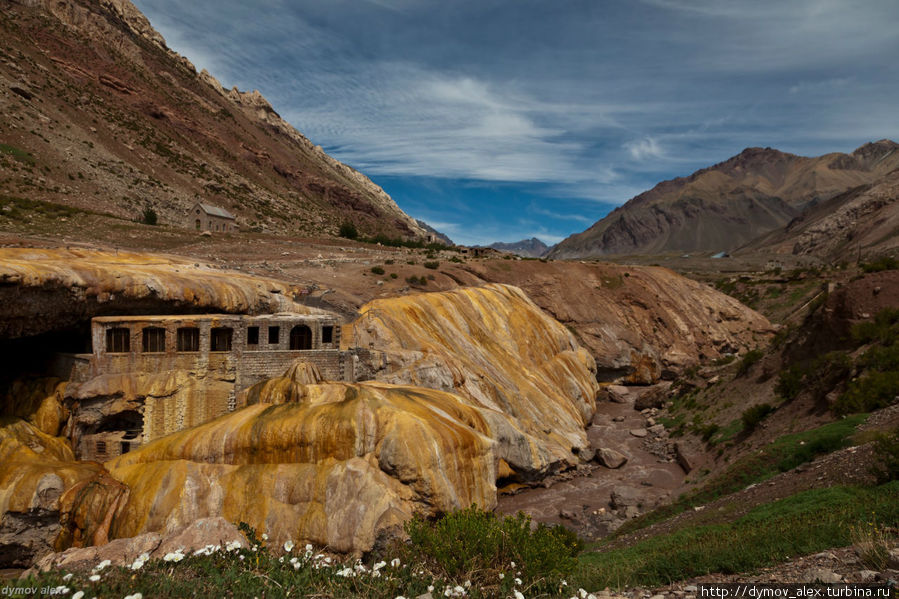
(500, 120)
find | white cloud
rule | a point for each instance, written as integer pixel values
(644, 149)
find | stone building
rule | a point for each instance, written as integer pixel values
(149, 376)
(207, 217)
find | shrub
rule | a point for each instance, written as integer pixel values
(749, 359)
(872, 544)
(753, 416)
(476, 545)
(884, 328)
(377, 270)
(886, 456)
(871, 392)
(149, 216)
(348, 231)
(882, 263)
(393, 275)
(432, 265)
(789, 383)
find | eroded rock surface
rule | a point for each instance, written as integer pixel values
(48, 501)
(493, 346)
(50, 289)
(347, 463)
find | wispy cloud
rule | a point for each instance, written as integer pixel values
(589, 101)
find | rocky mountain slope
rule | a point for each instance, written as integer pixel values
(100, 115)
(725, 206)
(529, 248)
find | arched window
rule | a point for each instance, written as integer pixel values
(198, 224)
(301, 337)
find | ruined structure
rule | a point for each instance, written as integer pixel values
(149, 376)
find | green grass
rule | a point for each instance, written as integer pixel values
(17, 153)
(782, 455)
(468, 553)
(804, 523)
(15, 208)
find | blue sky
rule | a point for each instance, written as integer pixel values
(497, 120)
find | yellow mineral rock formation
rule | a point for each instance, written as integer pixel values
(496, 348)
(71, 503)
(342, 465)
(39, 401)
(69, 284)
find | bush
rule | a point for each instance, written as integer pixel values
(476, 545)
(882, 263)
(871, 392)
(149, 216)
(749, 359)
(393, 275)
(789, 383)
(886, 457)
(348, 231)
(377, 270)
(884, 328)
(753, 416)
(432, 265)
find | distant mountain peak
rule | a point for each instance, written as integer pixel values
(729, 204)
(529, 248)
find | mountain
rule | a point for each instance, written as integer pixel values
(100, 115)
(731, 203)
(530, 248)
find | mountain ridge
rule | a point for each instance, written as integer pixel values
(130, 124)
(731, 203)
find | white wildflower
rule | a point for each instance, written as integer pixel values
(254, 547)
(501, 575)
(288, 546)
(346, 572)
(281, 560)
(582, 593)
(135, 596)
(517, 581)
(233, 546)
(102, 564)
(378, 566)
(175, 556)
(78, 595)
(241, 557)
(467, 584)
(264, 537)
(430, 588)
(518, 594)
(512, 564)
(94, 578)
(308, 547)
(460, 592)
(395, 562)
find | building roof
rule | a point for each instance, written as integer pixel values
(325, 317)
(215, 210)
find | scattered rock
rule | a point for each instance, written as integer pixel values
(618, 393)
(867, 576)
(822, 575)
(893, 558)
(638, 432)
(618, 419)
(623, 496)
(610, 458)
(656, 429)
(683, 458)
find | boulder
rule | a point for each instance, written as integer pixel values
(610, 458)
(624, 496)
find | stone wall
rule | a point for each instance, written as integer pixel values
(171, 390)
